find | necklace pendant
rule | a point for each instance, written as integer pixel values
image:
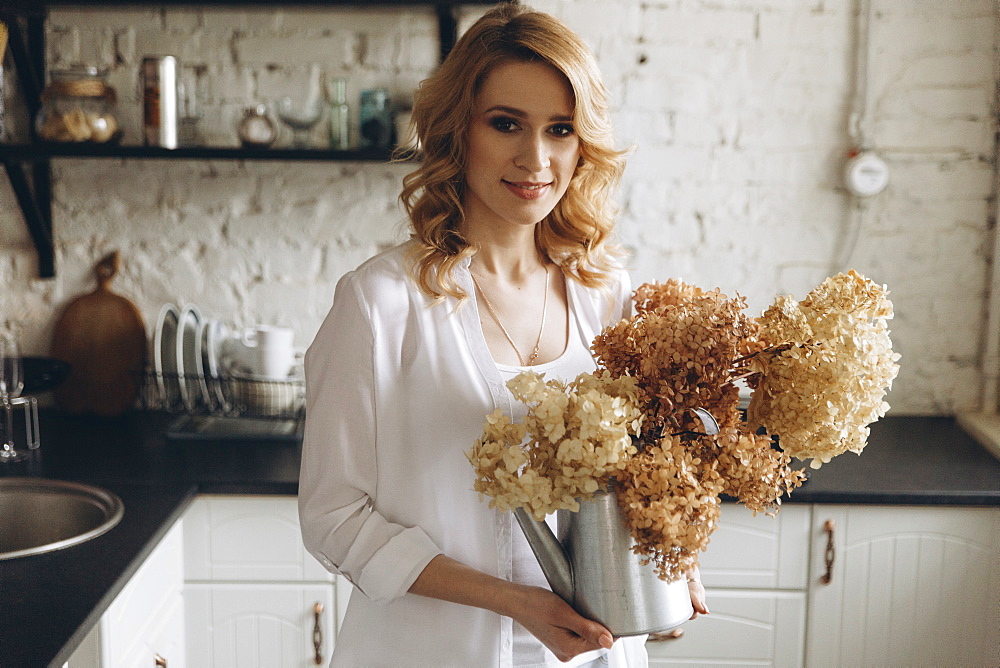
(541, 327)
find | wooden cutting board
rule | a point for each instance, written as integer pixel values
(102, 336)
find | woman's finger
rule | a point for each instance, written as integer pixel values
(697, 592)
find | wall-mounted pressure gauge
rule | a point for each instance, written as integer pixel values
(866, 174)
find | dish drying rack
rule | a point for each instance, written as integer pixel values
(226, 407)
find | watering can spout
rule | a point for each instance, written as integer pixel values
(549, 552)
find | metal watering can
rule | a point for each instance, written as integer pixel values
(592, 567)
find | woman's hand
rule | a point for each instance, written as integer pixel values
(697, 592)
(542, 613)
(558, 626)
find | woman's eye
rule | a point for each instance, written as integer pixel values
(561, 130)
(503, 124)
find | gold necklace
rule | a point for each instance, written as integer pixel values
(541, 328)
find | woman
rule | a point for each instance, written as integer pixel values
(508, 267)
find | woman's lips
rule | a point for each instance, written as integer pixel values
(527, 190)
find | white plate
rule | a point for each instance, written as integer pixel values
(200, 358)
(187, 357)
(215, 334)
(165, 354)
(208, 366)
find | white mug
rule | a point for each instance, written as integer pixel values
(268, 351)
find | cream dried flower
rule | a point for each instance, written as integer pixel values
(575, 436)
(831, 363)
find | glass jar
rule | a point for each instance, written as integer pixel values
(256, 129)
(375, 119)
(78, 105)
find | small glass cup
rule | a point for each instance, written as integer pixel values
(11, 385)
(302, 111)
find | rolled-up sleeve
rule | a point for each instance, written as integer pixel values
(339, 473)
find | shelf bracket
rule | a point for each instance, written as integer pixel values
(36, 209)
(447, 27)
(33, 195)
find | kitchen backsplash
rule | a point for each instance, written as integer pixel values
(738, 113)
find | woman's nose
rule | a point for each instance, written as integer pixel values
(533, 155)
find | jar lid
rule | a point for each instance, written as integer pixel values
(79, 81)
(76, 72)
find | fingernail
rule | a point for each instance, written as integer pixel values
(607, 641)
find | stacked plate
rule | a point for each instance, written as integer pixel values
(186, 358)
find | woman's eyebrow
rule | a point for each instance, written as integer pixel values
(517, 113)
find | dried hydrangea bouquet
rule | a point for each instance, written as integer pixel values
(660, 418)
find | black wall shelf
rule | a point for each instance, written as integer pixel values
(28, 165)
(42, 151)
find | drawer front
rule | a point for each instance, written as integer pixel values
(247, 539)
(761, 552)
(749, 628)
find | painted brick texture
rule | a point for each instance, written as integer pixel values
(737, 112)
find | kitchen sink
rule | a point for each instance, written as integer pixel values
(40, 515)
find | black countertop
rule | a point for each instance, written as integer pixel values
(49, 602)
(909, 460)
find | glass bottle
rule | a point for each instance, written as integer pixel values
(340, 114)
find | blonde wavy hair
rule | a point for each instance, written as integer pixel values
(577, 233)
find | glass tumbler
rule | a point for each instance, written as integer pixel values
(11, 384)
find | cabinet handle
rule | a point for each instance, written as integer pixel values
(317, 634)
(829, 554)
(664, 637)
(160, 661)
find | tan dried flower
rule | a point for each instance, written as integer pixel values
(683, 346)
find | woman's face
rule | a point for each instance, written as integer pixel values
(522, 149)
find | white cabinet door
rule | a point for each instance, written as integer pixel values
(147, 618)
(258, 626)
(909, 586)
(747, 628)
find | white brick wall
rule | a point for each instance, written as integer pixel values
(737, 111)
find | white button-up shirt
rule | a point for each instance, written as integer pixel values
(397, 391)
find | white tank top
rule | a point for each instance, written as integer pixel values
(576, 359)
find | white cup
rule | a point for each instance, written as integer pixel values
(268, 351)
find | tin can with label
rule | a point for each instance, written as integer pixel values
(159, 100)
